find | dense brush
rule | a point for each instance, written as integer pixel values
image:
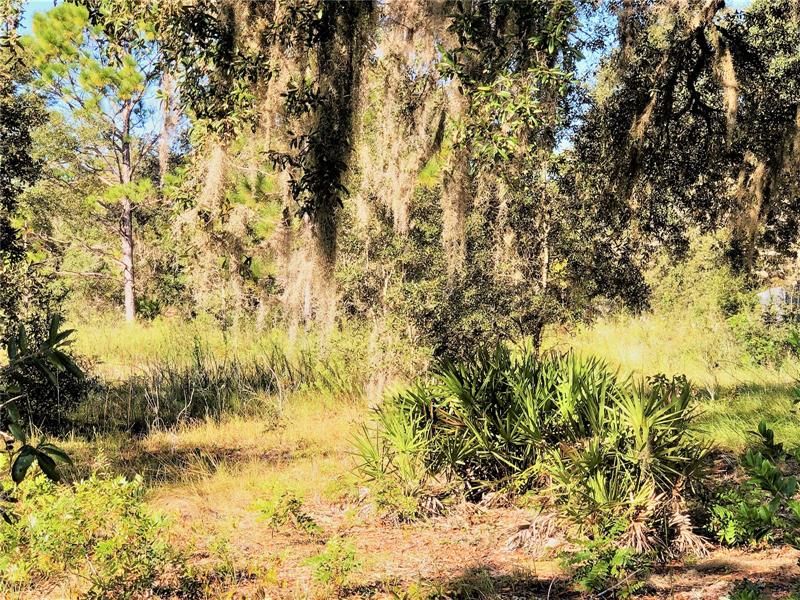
(609, 449)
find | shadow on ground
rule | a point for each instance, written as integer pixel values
(474, 583)
(774, 574)
(170, 464)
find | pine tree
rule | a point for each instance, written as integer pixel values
(98, 61)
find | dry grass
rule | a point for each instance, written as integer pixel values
(211, 477)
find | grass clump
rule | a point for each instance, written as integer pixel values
(208, 383)
(287, 509)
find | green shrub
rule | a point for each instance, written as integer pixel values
(634, 466)
(763, 507)
(763, 344)
(99, 529)
(486, 422)
(48, 358)
(42, 374)
(287, 509)
(393, 458)
(617, 456)
(494, 422)
(334, 565)
(602, 566)
(745, 589)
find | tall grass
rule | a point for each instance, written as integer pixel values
(167, 373)
(688, 330)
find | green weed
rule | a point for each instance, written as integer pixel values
(287, 509)
(335, 564)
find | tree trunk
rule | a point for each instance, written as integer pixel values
(544, 270)
(126, 234)
(126, 219)
(167, 125)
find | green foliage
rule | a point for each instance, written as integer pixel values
(336, 563)
(724, 87)
(47, 358)
(392, 458)
(604, 568)
(762, 343)
(762, 508)
(217, 75)
(181, 375)
(510, 71)
(287, 509)
(86, 64)
(614, 449)
(99, 529)
(43, 379)
(744, 589)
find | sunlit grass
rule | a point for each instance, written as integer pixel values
(122, 349)
(735, 395)
(210, 476)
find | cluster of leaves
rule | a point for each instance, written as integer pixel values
(662, 145)
(513, 59)
(48, 359)
(287, 509)
(337, 35)
(615, 450)
(334, 565)
(218, 76)
(603, 566)
(42, 380)
(746, 590)
(763, 508)
(110, 538)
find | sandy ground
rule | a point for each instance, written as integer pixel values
(459, 556)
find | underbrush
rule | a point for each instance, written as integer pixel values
(615, 457)
(95, 538)
(613, 463)
(759, 504)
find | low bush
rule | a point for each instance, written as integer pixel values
(603, 566)
(42, 376)
(287, 509)
(609, 449)
(334, 565)
(763, 343)
(48, 358)
(745, 589)
(762, 508)
(98, 531)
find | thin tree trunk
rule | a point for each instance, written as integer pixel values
(126, 220)
(167, 125)
(126, 233)
(544, 271)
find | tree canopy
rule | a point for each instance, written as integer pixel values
(474, 168)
